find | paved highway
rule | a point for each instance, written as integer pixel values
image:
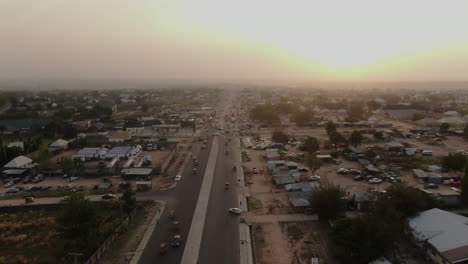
(183, 200)
(220, 242)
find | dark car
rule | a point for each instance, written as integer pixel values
(431, 186)
(108, 197)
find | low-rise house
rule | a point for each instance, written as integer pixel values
(134, 127)
(272, 154)
(362, 200)
(272, 164)
(300, 199)
(59, 144)
(20, 162)
(443, 235)
(302, 186)
(18, 144)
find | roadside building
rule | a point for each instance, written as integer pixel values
(59, 145)
(443, 235)
(134, 127)
(142, 173)
(20, 162)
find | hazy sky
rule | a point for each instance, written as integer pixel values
(234, 40)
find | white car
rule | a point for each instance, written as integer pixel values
(72, 179)
(342, 171)
(235, 211)
(375, 180)
(314, 178)
(177, 178)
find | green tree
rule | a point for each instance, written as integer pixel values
(330, 127)
(129, 200)
(313, 162)
(337, 138)
(457, 161)
(266, 113)
(444, 127)
(356, 111)
(303, 118)
(279, 137)
(355, 138)
(378, 135)
(329, 202)
(418, 116)
(78, 223)
(464, 187)
(310, 145)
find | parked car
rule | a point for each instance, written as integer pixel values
(65, 199)
(314, 178)
(375, 181)
(342, 171)
(358, 178)
(254, 171)
(72, 179)
(431, 186)
(108, 197)
(235, 211)
(355, 171)
(177, 178)
(26, 179)
(12, 190)
(29, 199)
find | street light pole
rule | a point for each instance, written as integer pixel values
(76, 255)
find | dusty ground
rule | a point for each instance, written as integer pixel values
(271, 245)
(291, 243)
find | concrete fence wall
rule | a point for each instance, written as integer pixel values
(98, 254)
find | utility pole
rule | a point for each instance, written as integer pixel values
(76, 255)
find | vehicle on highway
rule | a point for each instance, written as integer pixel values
(227, 185)
(29, 199)
(175, 225)
(12, 190)
(203, 146)
(162, 249)
(176, 241)
(194, 170)
(235, 211)
(177, 178)
(65, 199)
(254, 171)
(226, 152)
(234, 168)
(172, 214)
(108, 197)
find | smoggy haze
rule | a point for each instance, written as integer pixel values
(233, 40)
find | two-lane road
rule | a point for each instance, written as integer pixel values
(183, 200)
(220, 242)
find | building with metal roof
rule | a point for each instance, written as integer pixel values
(443, 234)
